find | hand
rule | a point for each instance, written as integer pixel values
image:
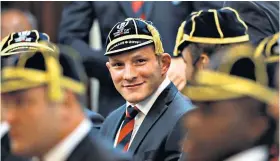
(177, 73)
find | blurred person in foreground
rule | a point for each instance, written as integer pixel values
(22, 41)
(18, 42)
(206, 31)
(230, 121)
(41, 91)
(269, 48)
(16, 20)
(148, 124)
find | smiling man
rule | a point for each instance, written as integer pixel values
(148, 124)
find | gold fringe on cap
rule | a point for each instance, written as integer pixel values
(19, 77)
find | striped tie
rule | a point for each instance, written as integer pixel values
(127, 127)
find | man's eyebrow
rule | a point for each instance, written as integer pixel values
(136, 56)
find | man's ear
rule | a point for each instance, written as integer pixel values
(69, 99)
(203, 61)
(108, 65)
(165, 62)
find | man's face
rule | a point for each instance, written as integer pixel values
(34, 121)
(187, 57)
(13, 21)
(138, 73)
(216, 129)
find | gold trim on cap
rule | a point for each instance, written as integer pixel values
(179, 38)
(193, 22)
(217, 22)
(17, 79)
(270, 43)
(213, 85)
(155, 38)
(53, 77)
(23, 45)
(237, 15)
(128, 48)
(127, 37)
(235, 53)
(206, 40)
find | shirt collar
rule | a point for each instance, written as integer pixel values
(4, 128)
(145, 105)
(63, 150)
(258, 153)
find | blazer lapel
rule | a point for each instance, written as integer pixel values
(158, 108)
(126, 6)
(116, 125)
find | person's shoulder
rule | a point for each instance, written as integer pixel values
(116, 111)
(106, 152)
(93, 147)
(181, 102)
(95, 117)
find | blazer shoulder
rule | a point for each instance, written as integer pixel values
(181, 102)
(116, 112)
(111, 119)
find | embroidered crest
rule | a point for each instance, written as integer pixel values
(121, 29)
(23, 36)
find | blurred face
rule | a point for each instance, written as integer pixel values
(217, 129)
(13, 21)
(34, 121)
(138, 73)
(187, 57)
(201, 63)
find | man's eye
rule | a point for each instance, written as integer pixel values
(141, 61)
(117, 64)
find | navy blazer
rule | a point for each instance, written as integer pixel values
(159, 135)
(95, 118)
(6, 154)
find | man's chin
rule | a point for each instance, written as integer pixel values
(134, 98)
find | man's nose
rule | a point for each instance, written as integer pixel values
(130, 73)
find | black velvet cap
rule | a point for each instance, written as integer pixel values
(58, 68)
(222, 26)
(131, 34)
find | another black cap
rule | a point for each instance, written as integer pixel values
(21, 40)
(58, 68)
(131, 34)
(233, 72)
(269, 49)
(222, 26)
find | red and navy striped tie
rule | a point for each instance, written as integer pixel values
(127, 127)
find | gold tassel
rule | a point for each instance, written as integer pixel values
(179, 38)
(156, 38)
(54, 74)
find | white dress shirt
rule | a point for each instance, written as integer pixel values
(144, 108)
(4, 128)
(63, 149)
(259, 153)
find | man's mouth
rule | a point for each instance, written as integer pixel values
(133, 85)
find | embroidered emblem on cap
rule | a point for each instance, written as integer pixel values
(23, 36)
(132, 33)
(121, 29)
